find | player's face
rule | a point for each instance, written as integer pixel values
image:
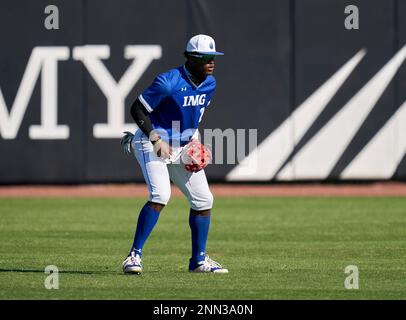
(207, 63)
(203, 65)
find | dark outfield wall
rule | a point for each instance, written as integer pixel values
(328, 103)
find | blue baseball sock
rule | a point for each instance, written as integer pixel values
(146, 222)
(199, 225)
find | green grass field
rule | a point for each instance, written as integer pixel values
(275, 248)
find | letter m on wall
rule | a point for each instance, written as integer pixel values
(44, 60)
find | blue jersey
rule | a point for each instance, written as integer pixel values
(176, 104)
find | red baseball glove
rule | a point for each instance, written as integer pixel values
(195, 156)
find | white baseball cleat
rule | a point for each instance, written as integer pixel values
(132, 264)
(208, 265)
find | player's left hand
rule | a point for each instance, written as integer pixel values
(162, 149)
(195, 156)
(126, 142)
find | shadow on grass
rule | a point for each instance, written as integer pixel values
(62, 272)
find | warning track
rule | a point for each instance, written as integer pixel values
(220, 190)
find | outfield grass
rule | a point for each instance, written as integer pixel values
(275, 248)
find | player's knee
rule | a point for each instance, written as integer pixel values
(210, 200)
(204, 202)
(161, 197)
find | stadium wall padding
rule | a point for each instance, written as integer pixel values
(328, 103)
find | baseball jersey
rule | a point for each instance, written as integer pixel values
(176, 104)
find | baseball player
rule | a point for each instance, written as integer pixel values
(166, 146)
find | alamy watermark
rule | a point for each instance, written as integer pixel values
(228, 146)
(51, 281)
(52, 20)
(352, 280)
(352, 20)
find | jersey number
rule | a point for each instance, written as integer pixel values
(201, 114)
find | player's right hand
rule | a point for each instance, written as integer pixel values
(126, 142)
(162, 149)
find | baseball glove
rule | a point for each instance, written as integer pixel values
(126, 142)
(195, 156)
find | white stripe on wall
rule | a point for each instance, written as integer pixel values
(318, 157)
(380, 158)
(263, 162)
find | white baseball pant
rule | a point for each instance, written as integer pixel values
(158, 174)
